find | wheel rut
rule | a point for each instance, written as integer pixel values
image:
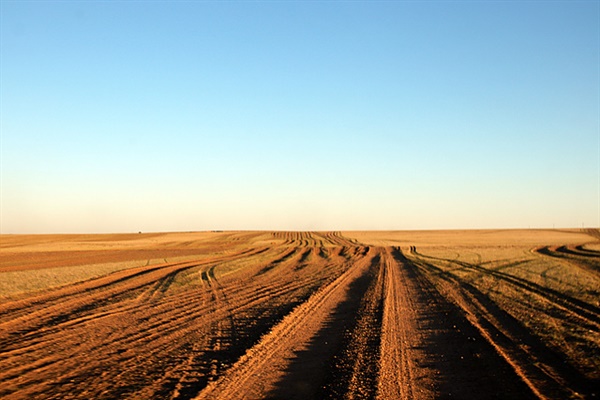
(313, 315)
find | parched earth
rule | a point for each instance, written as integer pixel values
(299, 315)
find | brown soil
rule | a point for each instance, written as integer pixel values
(298, 315)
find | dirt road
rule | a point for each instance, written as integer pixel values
(293, 316)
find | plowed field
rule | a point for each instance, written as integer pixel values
(301, 315)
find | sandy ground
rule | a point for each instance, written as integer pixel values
(302, 315)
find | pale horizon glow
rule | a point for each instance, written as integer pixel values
(192, 116)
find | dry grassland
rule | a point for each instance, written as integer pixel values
(301, 315)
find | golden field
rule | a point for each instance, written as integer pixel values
(301, 315)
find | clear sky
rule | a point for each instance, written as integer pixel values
(161, 116)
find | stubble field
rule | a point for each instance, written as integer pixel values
(301, 315)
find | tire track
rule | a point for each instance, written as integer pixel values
(148, 334)
(12, 310)
(163, 326)
(315, 316)
(586, 260)
(543, 371)
(589, 313)
(399, 335)
(247, 378)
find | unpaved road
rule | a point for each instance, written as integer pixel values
(302, 316)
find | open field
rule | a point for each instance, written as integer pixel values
(301, 315)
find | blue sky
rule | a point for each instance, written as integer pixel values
(161, 116)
